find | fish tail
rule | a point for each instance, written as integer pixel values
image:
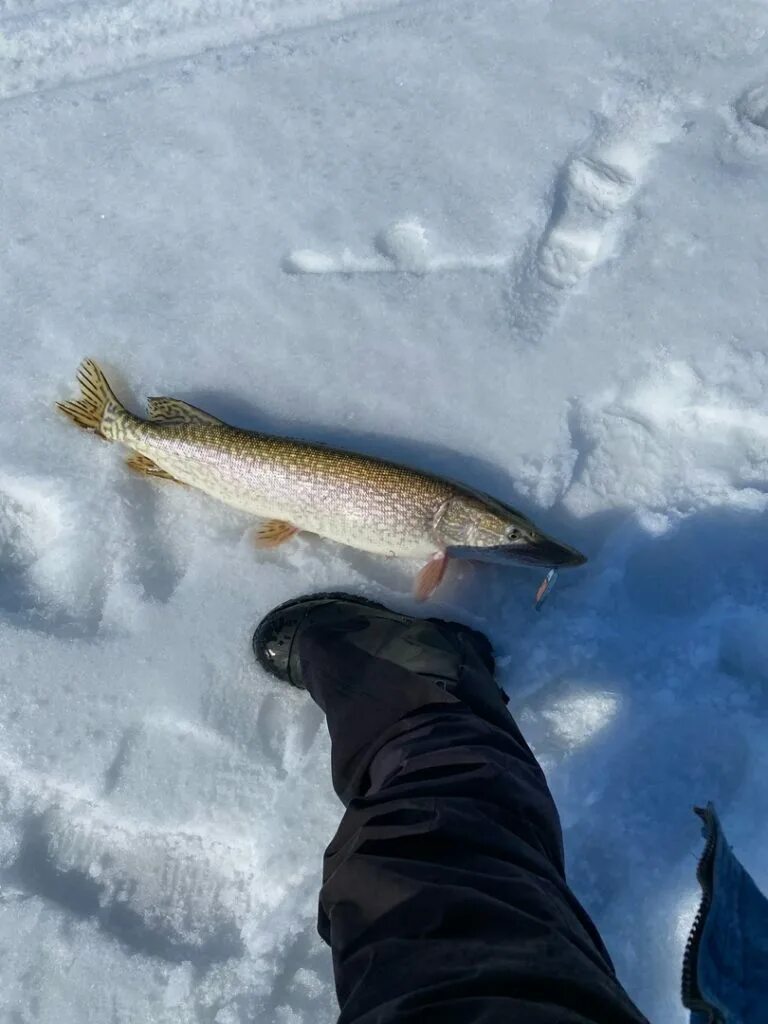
(97, 409)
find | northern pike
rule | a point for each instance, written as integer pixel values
(365, 502)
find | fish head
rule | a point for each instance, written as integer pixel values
(479, 527)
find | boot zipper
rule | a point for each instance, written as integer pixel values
(692, 997)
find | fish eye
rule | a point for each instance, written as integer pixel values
(512, 533)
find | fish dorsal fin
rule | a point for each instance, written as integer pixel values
(173, 410)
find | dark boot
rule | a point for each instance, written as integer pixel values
(455, 657)
(444, 896)
(369, 667)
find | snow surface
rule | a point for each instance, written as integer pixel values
(564, 209)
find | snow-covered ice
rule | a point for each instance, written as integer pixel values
(593, 177)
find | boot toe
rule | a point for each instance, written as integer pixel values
(273, 640)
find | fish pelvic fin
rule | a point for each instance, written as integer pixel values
(173, 410)
(273, 532)
(141, 464)
(98, 409)
(429, 578)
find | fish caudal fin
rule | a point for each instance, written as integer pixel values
(97, 409)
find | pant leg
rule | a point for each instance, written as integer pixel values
(444, 896)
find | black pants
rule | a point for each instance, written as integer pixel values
(444, 895)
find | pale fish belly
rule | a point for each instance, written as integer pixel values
(380, 521)
(366, 504)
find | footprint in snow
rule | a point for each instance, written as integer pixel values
(163, 860)
(746, 126)
(165, 894)
(591, 190)
(45, 583)
(752, 106)
(272, 724)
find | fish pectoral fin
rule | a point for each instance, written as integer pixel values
(173, 410)
(430, 576)
(141, 464)
(273, 532)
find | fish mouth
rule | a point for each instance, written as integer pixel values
(540, 551)
(547, 552)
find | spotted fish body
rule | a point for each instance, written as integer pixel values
(354, 499)
(350, 498)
